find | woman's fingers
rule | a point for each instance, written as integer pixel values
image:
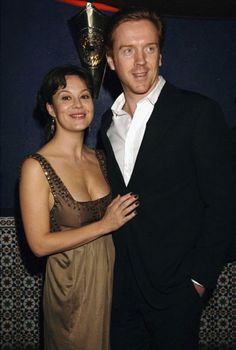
(128, 199)
(128, 203)
(114, 201)
(120, 210)
(130, 216)
(130, 208)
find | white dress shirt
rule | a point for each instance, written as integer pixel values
(126, 132)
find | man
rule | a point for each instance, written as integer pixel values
(171, 148)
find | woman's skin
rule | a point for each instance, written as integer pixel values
(78, 168)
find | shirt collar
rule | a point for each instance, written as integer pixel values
(151, 97)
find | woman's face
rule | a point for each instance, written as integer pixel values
(72, 105)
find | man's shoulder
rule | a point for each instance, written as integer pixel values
(186, 93)
(170, 91)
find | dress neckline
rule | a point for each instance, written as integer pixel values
(98, 156)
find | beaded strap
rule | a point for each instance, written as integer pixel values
(56, 184)
(102, 161)
(48, 171)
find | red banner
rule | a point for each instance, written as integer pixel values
(98, 5)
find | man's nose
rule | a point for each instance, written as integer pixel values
(140, 57)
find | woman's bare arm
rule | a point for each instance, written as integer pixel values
(36, 202)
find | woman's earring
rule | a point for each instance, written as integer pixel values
(52, 127)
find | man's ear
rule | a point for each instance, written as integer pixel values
(160, 61)
(50, 110)
(110, 62)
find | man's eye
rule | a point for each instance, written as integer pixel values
(128, 51)
(151, 49)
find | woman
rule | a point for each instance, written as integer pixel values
(67, 214)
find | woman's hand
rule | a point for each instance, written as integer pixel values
(120, 210)
(36, 215)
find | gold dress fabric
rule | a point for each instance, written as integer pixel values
(78, 282)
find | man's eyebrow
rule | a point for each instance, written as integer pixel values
(131, 45)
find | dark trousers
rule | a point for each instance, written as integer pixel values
(136, 325)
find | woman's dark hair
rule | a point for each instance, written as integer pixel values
(55, 79)
(132, 14)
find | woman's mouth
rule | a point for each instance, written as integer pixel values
(78, 115)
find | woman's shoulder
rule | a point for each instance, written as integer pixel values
(32, 163)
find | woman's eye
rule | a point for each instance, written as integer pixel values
(85, 96)
(66, 98)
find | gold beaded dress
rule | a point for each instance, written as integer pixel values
(78, 282)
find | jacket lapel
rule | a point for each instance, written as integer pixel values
(162, 117)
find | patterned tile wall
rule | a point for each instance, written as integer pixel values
(20, 290)
(21, 297)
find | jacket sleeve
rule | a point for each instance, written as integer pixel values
(213, 154)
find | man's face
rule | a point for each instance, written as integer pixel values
(136, 57)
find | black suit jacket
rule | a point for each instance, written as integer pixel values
(185, 178)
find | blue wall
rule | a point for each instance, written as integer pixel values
(199, 54)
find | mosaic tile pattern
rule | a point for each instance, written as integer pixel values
(218, 323)
(21, 291)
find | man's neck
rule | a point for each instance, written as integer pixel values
(130, 107)
(131, 100)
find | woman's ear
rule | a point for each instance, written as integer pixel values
(50, 110)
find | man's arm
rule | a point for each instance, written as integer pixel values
(216, 174)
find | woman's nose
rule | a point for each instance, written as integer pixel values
(78, 102)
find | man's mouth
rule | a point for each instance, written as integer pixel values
(140, 75)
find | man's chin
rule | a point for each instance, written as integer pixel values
(141, 90)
